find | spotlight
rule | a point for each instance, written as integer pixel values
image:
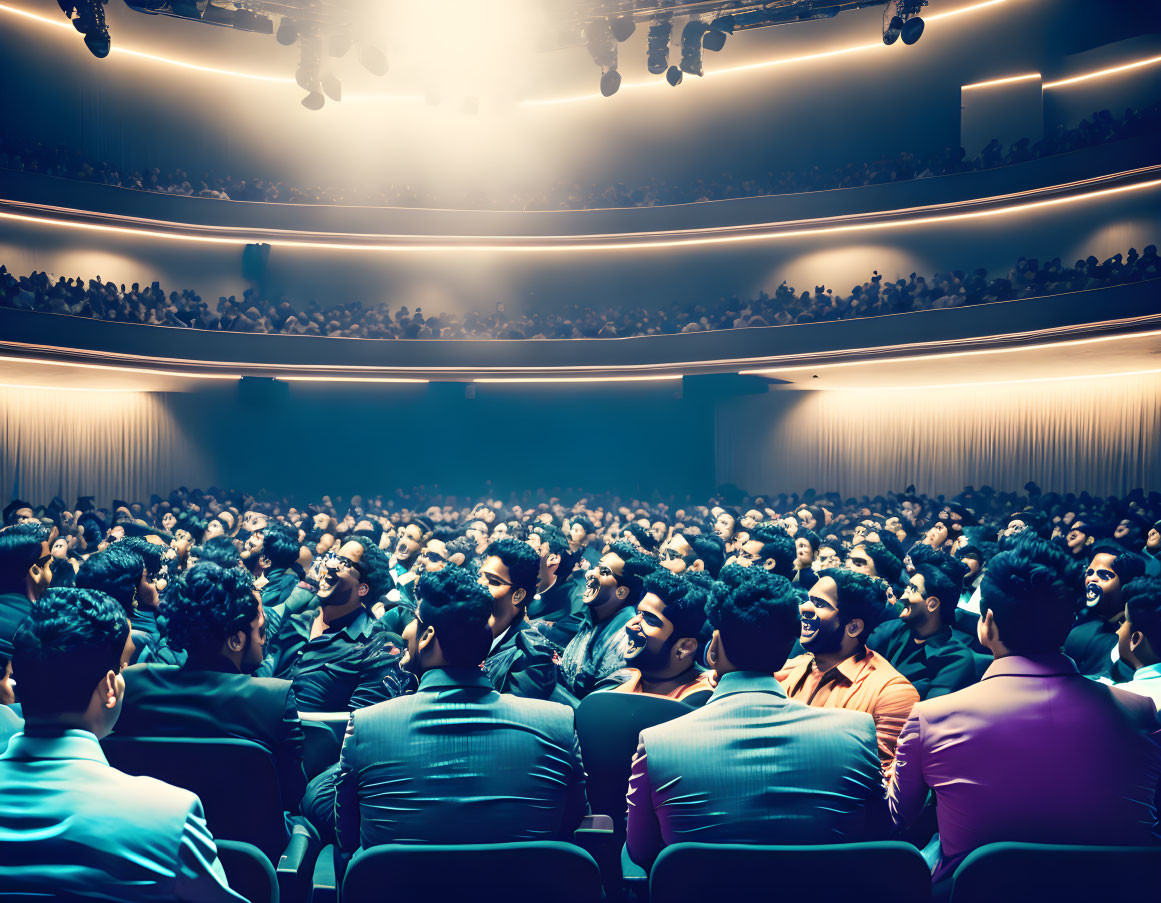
(622, 29)
(691, 37)
(658, 46)
(340, 44)
(90, 22)
(287, 32)
(332, 87)
(314, 101)
(715, 38)
(187, 9)
(248, 20)
(673, 76)
(373, 60)
(912, 30)
(610, 82)
(892, 31)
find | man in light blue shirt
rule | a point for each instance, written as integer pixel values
(1139, 637)
(70, 823)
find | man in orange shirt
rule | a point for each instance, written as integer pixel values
(838, 671)
(663, 639)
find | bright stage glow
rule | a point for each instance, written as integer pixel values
(1001, 81)
(69, 389)
(351, 379)
(120, 369)
(1102, 73)
(576, 379)
(997, 382)
(630, 241)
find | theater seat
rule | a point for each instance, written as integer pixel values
(248, 871)
(881, 872)
(532, 872)
(237, 783)
(1019, 872)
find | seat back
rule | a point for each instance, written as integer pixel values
(1004, 872)
(249, 871)
(236, 781)
(887, 871)
(608, 725)
(320, 748)
(531, 872)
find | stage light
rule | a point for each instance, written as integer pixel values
(622, 29)
(893, 30)
(657, 46)
(314, 101)
(602, 47)
(610, 82)
(912, 30)
(373, 60)
(339, 45)
(715, 38)
(691, 37)
(90, 22)
(287, 32)
(673, 76)
(332, 87)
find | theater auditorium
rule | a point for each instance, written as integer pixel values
(580, 451)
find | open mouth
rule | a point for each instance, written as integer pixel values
(1092, 594)
(637, 642)
(808, 629)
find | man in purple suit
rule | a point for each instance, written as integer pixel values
(1034, 752)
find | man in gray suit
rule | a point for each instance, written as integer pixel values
(69, 823)
(457, 762)
(753, 766)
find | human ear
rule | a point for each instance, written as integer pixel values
(237, 642)
(109, 690)
(518, 595)
(854, 627)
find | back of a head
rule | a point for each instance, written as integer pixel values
(20, 548)
(711, 550)
(71, 639)
(757, 620)
(859, 597)
(452, 601)
(116, 571)
(522, 562)
(887, 564)
(685, 602)
(205, 606)
(1032, 601)
(776, 544)
(280, 545)
(637, 568)
(1143, 603)
(943, 578)
(374, 569)
(221, 550)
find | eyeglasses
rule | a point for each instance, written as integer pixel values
(672, 555)
(434, 556)
(1101, 574)
(339, 562)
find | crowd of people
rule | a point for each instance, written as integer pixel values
(944, 671)
(21, 153)
(151, 305)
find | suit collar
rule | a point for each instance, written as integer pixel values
(1052, 664)
(747, 682)
(69, 744)
(447, 678)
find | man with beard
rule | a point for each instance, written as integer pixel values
(664, 637)
(516, 774)
(838, 671)
(1092, 640)
(334, 654)
(922, 643)
(612, 590)
(520, 659)
(215, 616)
(412, 539)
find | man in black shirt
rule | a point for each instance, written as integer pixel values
(520, 659)
(24, 575)
(1091, 641)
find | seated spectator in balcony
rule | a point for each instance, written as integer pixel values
(838, 671)
(215, 616)
(664, 637)
(612, 590)
(753, 766)
(68, 656)
(1003, 756)
(23, 574)
(1093, 639)
(457, 762)
(1139, 637)
(333, 653)
(519, 660)
(922, 643)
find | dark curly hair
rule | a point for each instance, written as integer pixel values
(280, 545)
(860, 597)
(522, 563)
(70, 640)
(452, 601)
(205, 606)
(374, 569)
(221, 550)
(116, 571)
(757, 620)
(1143, 604)
(685, 602)
(776, 544)
(1032, 601)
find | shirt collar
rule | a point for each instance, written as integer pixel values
(850, 667)
(1149, 672)
(747, 682)
(444, 678)
(69, 744)
(1050, 664)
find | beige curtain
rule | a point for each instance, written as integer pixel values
(105, 444)
(1103, 435)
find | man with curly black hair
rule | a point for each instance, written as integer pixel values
(214, 615)
(1034, 752)
(122, 572)
(753, 766)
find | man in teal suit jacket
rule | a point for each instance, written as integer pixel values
(752, 766)
(457, 762)
(69, 823)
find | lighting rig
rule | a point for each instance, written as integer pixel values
(603, 24)
(323, 30)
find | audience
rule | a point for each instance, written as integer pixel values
(877, 296)
(127, 838)
(1139, 637)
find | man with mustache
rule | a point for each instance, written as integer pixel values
(612, 590)
(663, 638)
(1093, 638)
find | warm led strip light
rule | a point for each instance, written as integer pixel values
(1101, 73)
(65, 388)
(1001, 81)
(575, 379)
(1067, 343)
(637, 241)
(119, 369)
(997, 382)
(351, 379)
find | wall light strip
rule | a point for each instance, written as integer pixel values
(1102, 73)
(68, 388)
(1011, 79)
(51, 363)
(1045, 346)
(576, 379)
(639, 241)
(351, 379)
(998, 382)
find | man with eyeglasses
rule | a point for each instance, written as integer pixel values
(1093, 639)
(335, 654)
